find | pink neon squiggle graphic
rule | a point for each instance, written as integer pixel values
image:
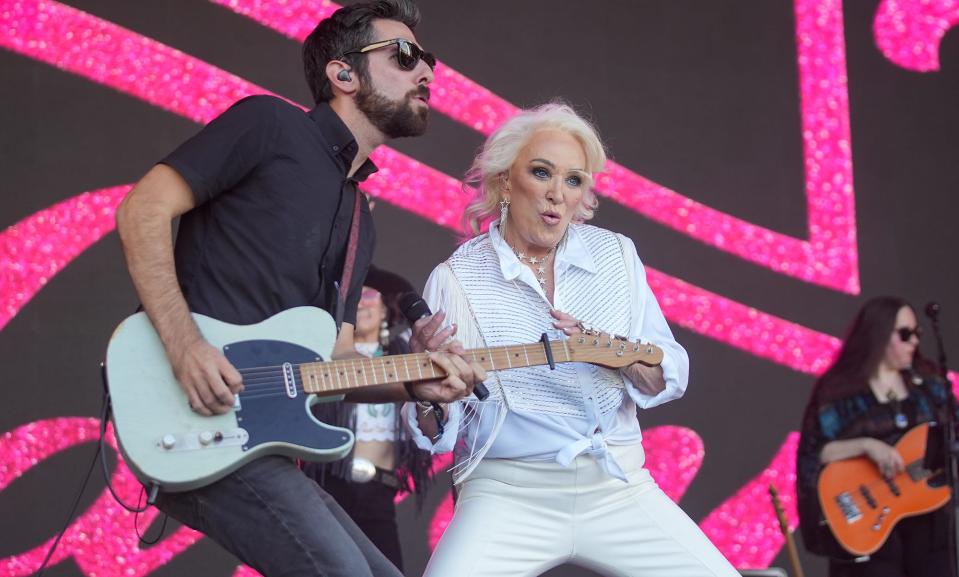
(26, 446)
(38, 247)
(411, 195)
(403, 181)
(113, 56)
(673, 457)
(440, 463)
(102, 540)
(291, 18)
(909, 32)
(451, 93)
(395, 164)
(827, 146)
(743, 327)
(28, 258)
(828, 258)
(746, 328)
(449, 186)
(745, 528)
(416, 188)
(108, 54)
(705, 312)
(440, 521)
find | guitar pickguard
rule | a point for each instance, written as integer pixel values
(273, 407)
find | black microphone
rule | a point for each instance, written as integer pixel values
(414, 308)
(932, 310)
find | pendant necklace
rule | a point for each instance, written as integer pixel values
(538, 264)
(899, 418)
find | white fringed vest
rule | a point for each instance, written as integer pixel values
(509, 313)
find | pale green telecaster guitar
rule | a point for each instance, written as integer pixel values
(285, 371)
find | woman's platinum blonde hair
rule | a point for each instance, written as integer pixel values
(486, 175)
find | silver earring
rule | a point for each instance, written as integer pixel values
(384, 334)
(503, 213)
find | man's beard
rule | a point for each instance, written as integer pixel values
(395, 119)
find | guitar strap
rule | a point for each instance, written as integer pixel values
(344, 286)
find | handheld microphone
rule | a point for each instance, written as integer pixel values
(932, 310)
(414, 308)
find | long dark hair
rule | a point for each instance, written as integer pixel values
(862, 350)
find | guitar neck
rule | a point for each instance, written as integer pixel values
(334, 377)
(784, 528)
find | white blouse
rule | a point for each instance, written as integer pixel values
(501, 429)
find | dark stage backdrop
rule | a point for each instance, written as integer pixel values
(776, 163)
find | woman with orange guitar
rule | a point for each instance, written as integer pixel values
(877, 390)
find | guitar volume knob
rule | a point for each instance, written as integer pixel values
(168, 441)
(206, 437)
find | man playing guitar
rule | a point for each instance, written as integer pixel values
(270, 218)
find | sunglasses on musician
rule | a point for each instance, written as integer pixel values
(408, 55)
(906, 333)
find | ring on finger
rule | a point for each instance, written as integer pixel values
(586, 328)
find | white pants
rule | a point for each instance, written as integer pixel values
(520, 518)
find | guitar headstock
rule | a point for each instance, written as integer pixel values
(612, 352)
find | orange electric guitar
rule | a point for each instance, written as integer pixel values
(861, 506)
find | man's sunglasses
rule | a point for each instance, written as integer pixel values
(408, 55)
(906, 333)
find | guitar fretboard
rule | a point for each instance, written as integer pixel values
(333, 377)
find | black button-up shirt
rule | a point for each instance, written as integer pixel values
(273, 212)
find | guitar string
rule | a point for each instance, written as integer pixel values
(264, 379)
(857, 497)
(272, 383)
(401, 366)
(266, 376)
(256, 378)
(363, 375)
(494, 351)
(400, 361)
